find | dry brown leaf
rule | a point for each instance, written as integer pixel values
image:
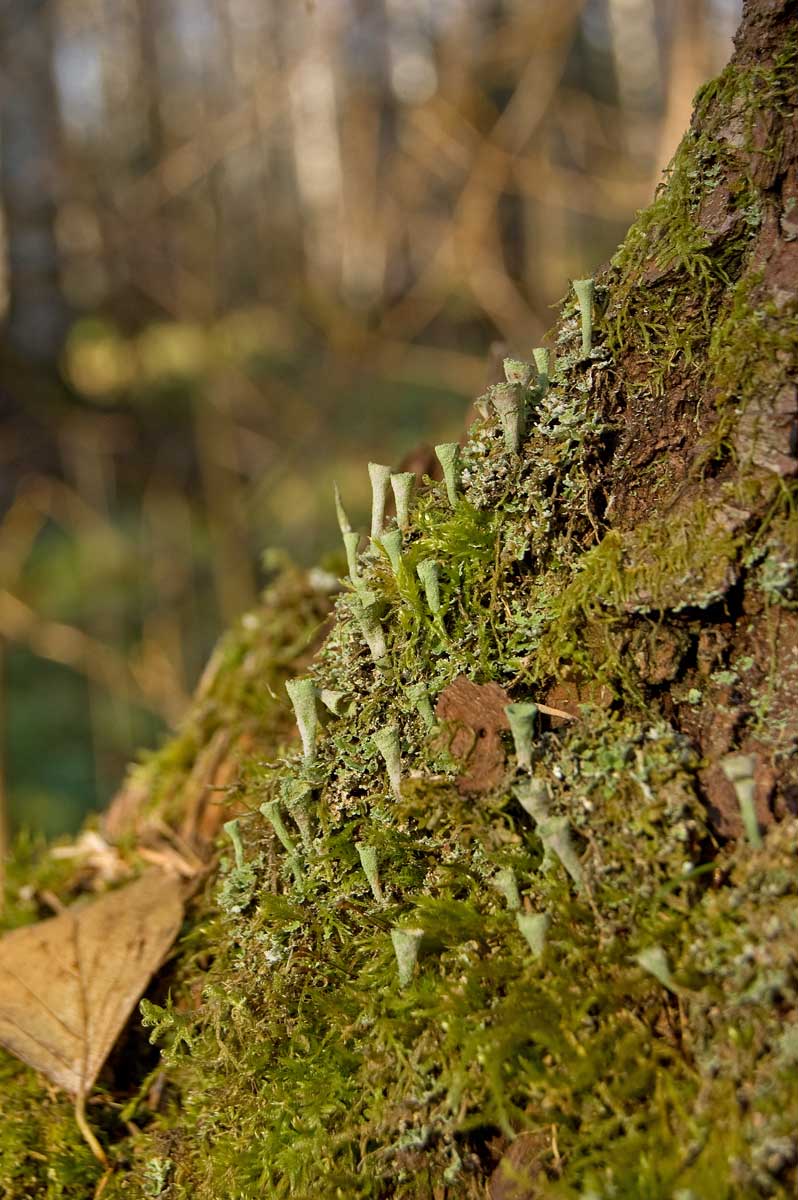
(520, 1175)
(68, 984)
(475, 713)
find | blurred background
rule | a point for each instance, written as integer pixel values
(247, 245)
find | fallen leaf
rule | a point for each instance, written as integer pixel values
(475, 712)
(520, 1175)
(68, 984)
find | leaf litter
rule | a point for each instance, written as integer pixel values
(69, 983)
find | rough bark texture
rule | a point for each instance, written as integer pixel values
(580, 977)
(704, 296)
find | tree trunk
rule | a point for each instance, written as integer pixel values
(29, 130)
(703, 394)
(527, 950)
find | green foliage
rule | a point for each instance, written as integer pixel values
(42, 1153)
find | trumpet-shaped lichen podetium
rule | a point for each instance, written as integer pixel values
(449, 457)
(351, 539)
(505, 883)
(351, 543)
(508, 400)
(271, 811)
(231, 828)
(391, 543)
(517, 372)
(403, 484)
(541, 356)
(387, 742)
(368, 861)
(380, 477)
(739, 770)
(405, 946)
(534, 927)
(553, 831)
(418, 696)
(522, 718)
(297, 795)
(585, 289)
(340, 512)
(302, 693)
(654, 960)
(429, 574)
(367, 616)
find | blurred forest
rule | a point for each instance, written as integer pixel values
(248, 245)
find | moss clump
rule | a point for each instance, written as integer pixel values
(302, 1067)
(299, 1063)
(673, 270)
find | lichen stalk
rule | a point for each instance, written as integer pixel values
(516, 372)
(368, 861)
(541, 356)
(380, 477)
(372, 631)
(553, 831)
(351, 543)
(296, 795)
(387, 742)
(585, 289)
(302, 693)
(271, 811)
(534, 927)
(555, 834)
(418, 696)
(391, 543)
(449, 457)
(654, 960)
(406, 943)
(522, 718)
(739, 770)
(506, 885)
(232, 830)
(508, 402)
(403, 484)
(343, 520)
(429, 574)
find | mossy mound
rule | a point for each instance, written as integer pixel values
(556, 980)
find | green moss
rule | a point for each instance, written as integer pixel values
(42, 1154)
(325, 1078)
(671, 273)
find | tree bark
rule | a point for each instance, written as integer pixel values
(703, 393)
(29, 129)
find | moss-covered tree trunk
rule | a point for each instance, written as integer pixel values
(701, 320)
(464, 951)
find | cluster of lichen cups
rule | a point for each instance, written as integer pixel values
(508, 400)
(509, 403)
